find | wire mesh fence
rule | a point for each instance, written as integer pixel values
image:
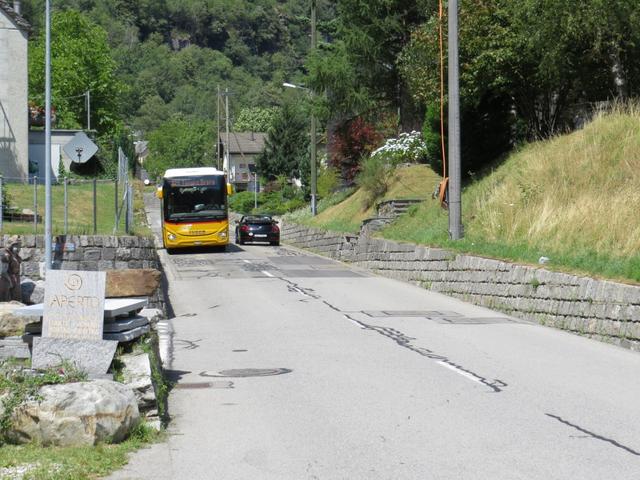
(78, 206)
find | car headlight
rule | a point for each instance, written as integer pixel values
(171, 236)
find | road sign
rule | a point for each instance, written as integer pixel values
(80, 148)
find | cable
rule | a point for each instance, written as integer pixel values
(442, 187)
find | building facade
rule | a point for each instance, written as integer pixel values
(239, 157)
(14, 89)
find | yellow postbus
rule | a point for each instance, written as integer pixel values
(194, 210)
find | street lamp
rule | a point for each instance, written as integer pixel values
(314, 178)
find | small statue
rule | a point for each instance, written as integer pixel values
(10, 261)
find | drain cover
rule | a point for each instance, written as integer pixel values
(247, 372)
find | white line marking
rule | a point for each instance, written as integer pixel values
(461, 372)
(246, 261)
(266, 273)
(354, 322)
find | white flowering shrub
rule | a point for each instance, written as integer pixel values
(408, 147)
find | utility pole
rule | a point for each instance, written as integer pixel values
(314, 178)
(218, 127)
(47, 140)
(455, 194)
(88, 100)
(226, 114)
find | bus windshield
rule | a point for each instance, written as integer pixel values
(195, 199)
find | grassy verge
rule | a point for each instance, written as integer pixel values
(55, 463)
(80, 210)
(573, 199)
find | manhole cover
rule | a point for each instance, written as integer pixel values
(201, 385)
(247, 372)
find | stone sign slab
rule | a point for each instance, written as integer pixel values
(74, 305)
(128, 335)
(92, 357)
(113, 307)
(119, 325)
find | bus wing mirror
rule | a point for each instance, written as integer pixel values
(159, 192)
(229, 189)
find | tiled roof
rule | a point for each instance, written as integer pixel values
(20, 22)
(244, 142)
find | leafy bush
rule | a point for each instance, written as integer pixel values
(328, 181)
(242, 202)
(407, 147)
(374, 178)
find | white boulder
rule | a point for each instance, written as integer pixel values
(76, 414)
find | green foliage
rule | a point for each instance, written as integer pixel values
(285, 151)
(328, 181)
(179, 143)
(81, 60)
(374, 178)
(242, 202)
(255, 119)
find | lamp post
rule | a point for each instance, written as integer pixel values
(47, 139)
(312, 161)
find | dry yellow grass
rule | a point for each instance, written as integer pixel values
(576, 191)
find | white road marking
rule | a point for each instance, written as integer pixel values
(266, 273)
(459, 371)
(246, 261)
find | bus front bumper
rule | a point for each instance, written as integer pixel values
(175, 240)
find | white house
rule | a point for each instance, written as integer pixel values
(239, 157)
(14, 86)
(59, 138)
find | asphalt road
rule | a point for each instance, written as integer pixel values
(292, 366)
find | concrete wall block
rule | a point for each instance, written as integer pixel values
(83, 241)
(92, 254)
(123, 253)
(88, 265)
(108, 253)
(121, 265)
(128, 241)
(134, 263)
(104, 265)
(97, 240)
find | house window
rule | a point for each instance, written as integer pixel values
(243, 165)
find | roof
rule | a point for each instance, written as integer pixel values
(20, 22)
(245, 142)
(191, 172)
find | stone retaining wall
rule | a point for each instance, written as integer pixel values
(603, 310)
(90, 252)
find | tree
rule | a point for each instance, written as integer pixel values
(352, 142)
(285, 151)
(255, 119)
(80, 61)
(180, 143)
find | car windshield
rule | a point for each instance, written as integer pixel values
(258, 219)
(195, 199)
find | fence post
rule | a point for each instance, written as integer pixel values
(35, 205)
(115, 226)
(66, 207)
(1, 203)
(95, 206)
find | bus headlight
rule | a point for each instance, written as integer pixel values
(171, 237)
(222, 234)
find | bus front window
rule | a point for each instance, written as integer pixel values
(195, 202)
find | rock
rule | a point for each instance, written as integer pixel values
(137, 375)
(141, 282)
(76, 414)
(32, 292)
(10, 323)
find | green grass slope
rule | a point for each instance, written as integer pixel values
(574, 199)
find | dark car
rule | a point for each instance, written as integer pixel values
(257, 228)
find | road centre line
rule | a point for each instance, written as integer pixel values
(246, 261)
(266, 273)
(459, 371)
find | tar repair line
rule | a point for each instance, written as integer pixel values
(402, 340)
